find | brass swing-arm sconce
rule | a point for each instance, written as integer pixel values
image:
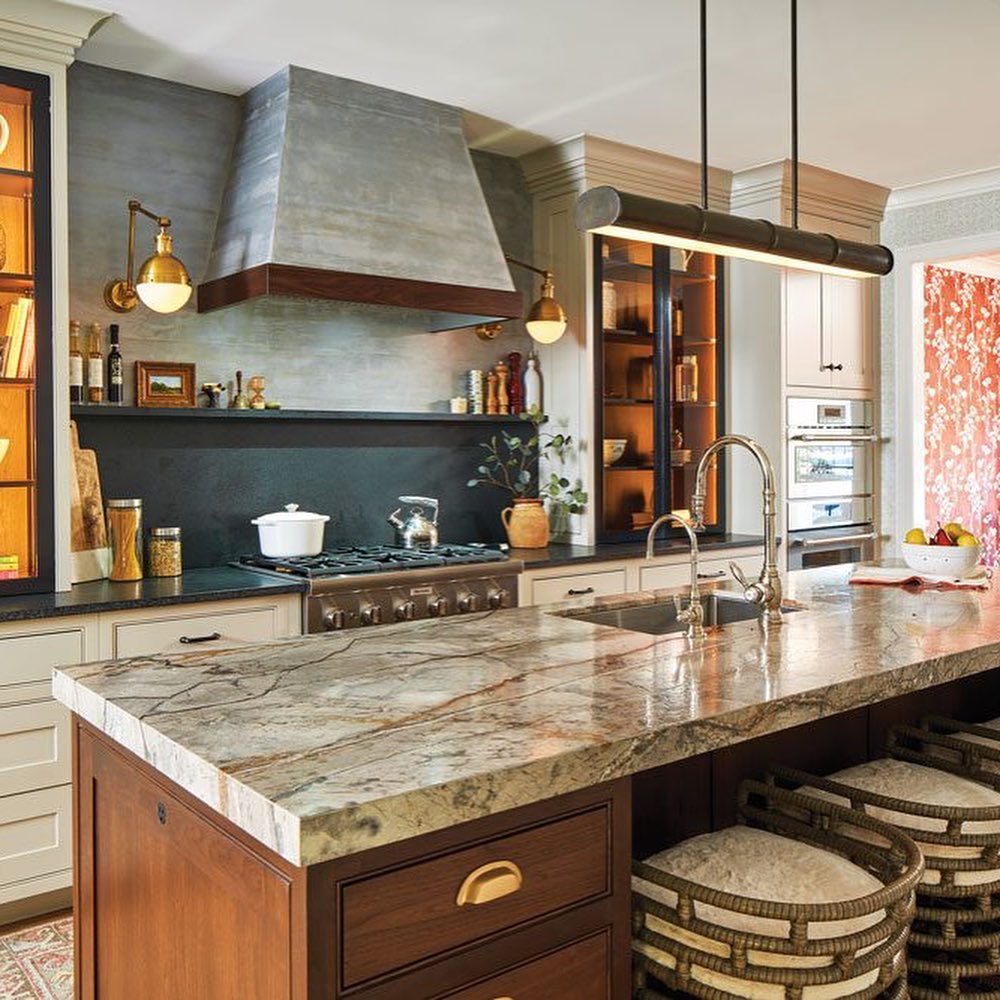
(546, 319)
(163, 283)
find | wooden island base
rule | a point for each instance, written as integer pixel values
(173, 902)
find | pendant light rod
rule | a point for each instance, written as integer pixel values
(703, 4)
(795, 113)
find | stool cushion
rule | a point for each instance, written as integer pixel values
(750, 862)
(760, 865)
(909, 782)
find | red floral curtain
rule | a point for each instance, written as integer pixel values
(961, 407)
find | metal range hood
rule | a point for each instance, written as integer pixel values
(341, 190)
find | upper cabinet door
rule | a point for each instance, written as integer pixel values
(847, 331)
(804, 336)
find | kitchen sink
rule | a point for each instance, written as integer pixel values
(661, 619)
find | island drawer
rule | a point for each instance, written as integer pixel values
(395, 918)
(580, 971)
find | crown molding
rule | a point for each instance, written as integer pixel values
(822, 192)
(945, 189)
(585, 161)
(46, 30)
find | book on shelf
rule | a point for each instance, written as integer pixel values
(9, 567)
(19, 333)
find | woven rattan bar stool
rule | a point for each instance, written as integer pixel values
(804, 900)
(954, 949)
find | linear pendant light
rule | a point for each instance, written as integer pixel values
(611, 212)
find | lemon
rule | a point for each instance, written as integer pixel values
(967, 540)
(916, 536)
(954, 530)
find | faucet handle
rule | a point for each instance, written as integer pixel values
(755, 592)
(739, 576)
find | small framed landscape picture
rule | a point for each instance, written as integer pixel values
(164, 383)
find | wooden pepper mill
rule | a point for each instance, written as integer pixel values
(502, 373)
(491, 392)
(514, 389)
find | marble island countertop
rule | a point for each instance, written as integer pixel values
(323, 746)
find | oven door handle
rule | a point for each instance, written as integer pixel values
(812, 543)
(836, 438)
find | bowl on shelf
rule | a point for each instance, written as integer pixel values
(614, 448)
(680, 456)
(942, 560)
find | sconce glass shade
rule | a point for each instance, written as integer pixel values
(163, 282)
(546, 320)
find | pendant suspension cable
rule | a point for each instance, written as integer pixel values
(704, 105)
(795, 113)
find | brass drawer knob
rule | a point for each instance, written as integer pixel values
(489, 882)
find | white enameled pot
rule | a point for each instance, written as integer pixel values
(291, 532)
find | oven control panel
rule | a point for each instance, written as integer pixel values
(367, 606)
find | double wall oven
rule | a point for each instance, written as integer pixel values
(830, 469)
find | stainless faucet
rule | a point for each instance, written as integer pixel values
(694, 614)
(766, 589)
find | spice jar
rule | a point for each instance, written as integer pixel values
(125, 537)
(686, 379)
(163, 552)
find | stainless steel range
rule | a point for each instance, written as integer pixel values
(366, 585)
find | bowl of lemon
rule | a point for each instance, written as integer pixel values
(950, 551)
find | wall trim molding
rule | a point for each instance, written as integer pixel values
(945, 189)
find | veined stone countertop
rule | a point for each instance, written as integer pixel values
(323, 746)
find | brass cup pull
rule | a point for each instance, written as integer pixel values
(489, 882)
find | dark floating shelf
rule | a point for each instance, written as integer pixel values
(105, 411)
(627, 337)
(624, 401)
(23, 383)
(628, 467)
(687, 402)
(16, 282)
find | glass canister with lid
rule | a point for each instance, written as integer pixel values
(163, 552)
(125, 538)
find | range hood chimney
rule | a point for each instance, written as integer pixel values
(341, 190)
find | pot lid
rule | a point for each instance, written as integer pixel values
(289, 514)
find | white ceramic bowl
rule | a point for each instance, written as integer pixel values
(942, 560)
(614, 448)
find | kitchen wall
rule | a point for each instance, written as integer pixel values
(169, 146)
(902, 228)
(962, 422)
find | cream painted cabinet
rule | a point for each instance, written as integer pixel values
(550, 585)
(35, 799)
(827, 331)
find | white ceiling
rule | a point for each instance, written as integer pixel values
(894, 91)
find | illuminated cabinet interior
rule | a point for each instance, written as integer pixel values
(26, 540)
(659, 383)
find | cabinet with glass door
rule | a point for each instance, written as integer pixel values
(659, 384)
(26, 474)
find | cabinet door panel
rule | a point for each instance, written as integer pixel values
(804, 342)
(34, 747)
(180, 908)
(847, 331)
(35, 837)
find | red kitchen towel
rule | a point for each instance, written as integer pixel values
(901, 576)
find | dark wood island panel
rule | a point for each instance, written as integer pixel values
(173, 901)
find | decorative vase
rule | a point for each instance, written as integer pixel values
(527, 524)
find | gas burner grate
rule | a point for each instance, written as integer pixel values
(357, 559)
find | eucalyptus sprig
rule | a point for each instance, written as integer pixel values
(509, 461)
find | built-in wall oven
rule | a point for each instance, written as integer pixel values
(830, 472)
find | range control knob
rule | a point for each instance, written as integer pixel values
(406, 611)
(437, 607)
(372, 615)
(497, 598)
(470, 602)
(334, 619)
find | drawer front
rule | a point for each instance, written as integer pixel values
(26, 662)
(565, 588)
(35, 834)
(664, 577)
(34, 746)
(399, 917)
(580, 971)
(215, 630)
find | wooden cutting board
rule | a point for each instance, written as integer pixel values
(90, 555)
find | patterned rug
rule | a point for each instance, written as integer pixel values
(36, 963)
